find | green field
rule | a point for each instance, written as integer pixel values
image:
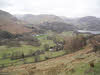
(6, 52)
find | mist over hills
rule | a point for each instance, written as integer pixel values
(20, 23)
(89, 23)
(83, 23)
(38, 19)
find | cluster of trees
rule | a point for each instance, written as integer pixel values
(6, 35)
(95, 42)
(21, 55)
(59, 43)
(14, 40)
(75, 43)
(9, 39)
(30, 40)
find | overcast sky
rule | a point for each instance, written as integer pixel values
(68, 8)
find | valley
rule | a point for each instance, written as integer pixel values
(49, 45)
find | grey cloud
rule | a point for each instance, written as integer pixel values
(69, 8)
(4, 3)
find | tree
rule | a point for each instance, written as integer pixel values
(4, 56)
(6, 35)
(48, 55)
(17, 55)
(95, 42)
(36, 58)
(46, 47)
(31, 52)
(13, 43)
(75, 43)
(23, 55)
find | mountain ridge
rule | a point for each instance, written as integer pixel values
(11, 24)
(83, 23)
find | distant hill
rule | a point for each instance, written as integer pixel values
(57, 26)
(85, 23)
(48, 22)
(10, 23)
(89, 23)
(38, 19)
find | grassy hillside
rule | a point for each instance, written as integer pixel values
(7, 52)
(72, 64)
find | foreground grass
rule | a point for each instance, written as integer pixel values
(79, 69)
(71, 64)
(84, 69)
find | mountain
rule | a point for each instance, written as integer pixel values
(6, 18)
(82, 23)
(57, 26)
(46, 22)
(38, 19)
(11, 24)
(89, 23)
(85, 23)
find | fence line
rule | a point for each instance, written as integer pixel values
(12, 64)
